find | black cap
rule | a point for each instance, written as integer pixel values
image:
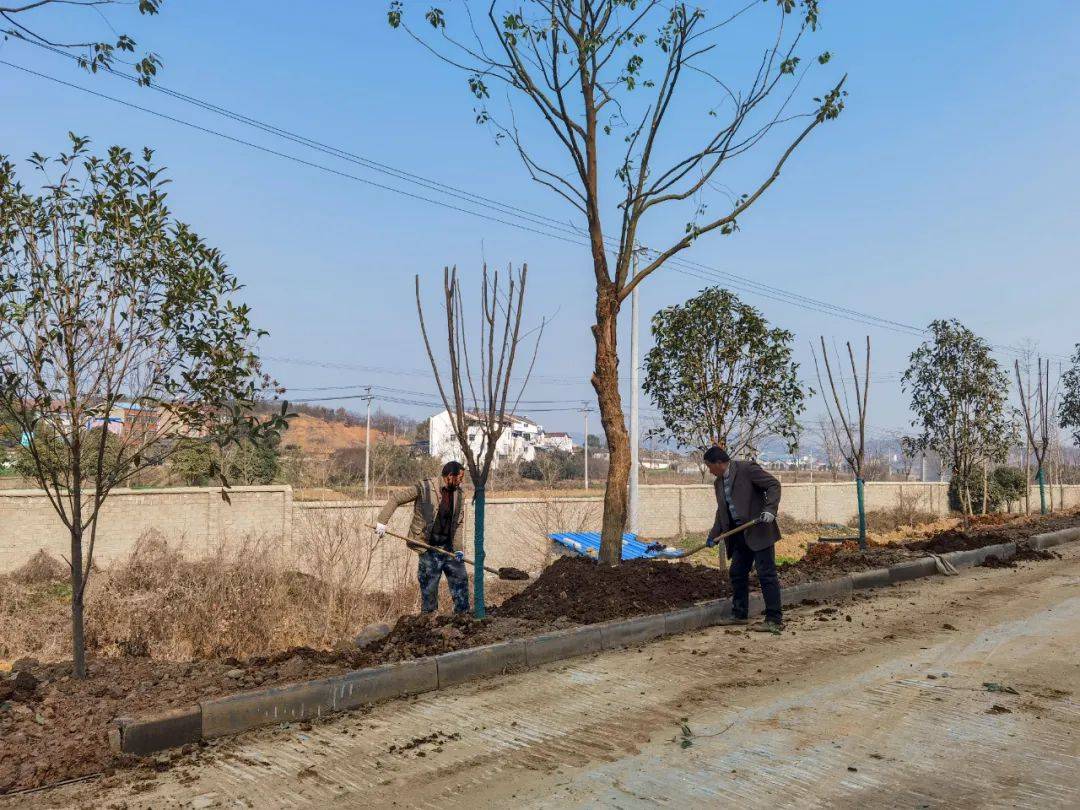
(452, 468)
(716, 455)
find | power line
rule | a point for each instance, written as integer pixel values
(503, 208)
(682, 265)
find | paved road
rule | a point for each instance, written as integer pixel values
(880, 704)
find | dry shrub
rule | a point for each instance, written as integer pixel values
(541, 518)
(908, 512)
(35, 609)
(245, 599)
(363, 578)
(39, 569)
(156, 602)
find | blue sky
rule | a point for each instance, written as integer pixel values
(948, 187)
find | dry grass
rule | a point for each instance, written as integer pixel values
(247, 598)
(35, 609)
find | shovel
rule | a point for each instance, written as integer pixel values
(506, 572)
(720, 537)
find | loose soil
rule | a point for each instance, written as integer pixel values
(578, 589)
(54, 727)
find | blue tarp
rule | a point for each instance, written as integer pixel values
(587, 544)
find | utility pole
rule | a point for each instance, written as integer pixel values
(585, 410)
(367, 441)
(635, 435)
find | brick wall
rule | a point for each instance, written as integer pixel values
(197, 516)
(516, 529)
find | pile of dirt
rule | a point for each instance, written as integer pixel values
(580, 590)
(419, 636)
(830, 560)
(1025, 552)
(994, 561)
(989, 530)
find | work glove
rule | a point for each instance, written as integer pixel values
(710, 541)
(459, 556)
(767, 517)
(380, 529)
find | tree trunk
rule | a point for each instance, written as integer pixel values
(478, 552)
(605, 380)
(78, 645)
(860, 495)
(986, 485)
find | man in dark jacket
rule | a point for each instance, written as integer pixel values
(438, 511)
(744, 492)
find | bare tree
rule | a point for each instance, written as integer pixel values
(1037, 421)
(827, 441)
(597, 69)
(25, 21)
(849, 429)
(475, 388)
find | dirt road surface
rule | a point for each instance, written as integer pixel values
(881, 703)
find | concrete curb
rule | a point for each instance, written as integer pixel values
(561, 644)
(627, 632)
(876, 578)
(388, 681)
(976, 556)
(1051, 539)
(795, 594)
(149, 734)
(247, 710)
(714, 611)
(277, 704)
(478, 662)
(912, 569)
(684, 620)
(829, 589)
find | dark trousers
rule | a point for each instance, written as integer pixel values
(431, 568)
(743, 558)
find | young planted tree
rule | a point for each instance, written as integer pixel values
(1037, 420)
(1070, 397)
(27, 21)
(120, 341)
(719, 374)
(958, 394)
(848, 428)
(475, 383)
(637, 91)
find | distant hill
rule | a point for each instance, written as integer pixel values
(319, 437)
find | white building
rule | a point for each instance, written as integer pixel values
(519, 441)
(557, 441)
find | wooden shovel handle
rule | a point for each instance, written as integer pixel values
(436, 548)
(723, 536)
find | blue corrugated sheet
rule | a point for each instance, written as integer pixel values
(587, 544)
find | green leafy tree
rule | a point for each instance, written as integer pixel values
(958, 394)
(193, 461)
(637, 91)
(53, 456)
(985, 491)
(111, 309)
(252, 463)
(1070, 397)
(719, 374)
(1013, 482)
(27, 21)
